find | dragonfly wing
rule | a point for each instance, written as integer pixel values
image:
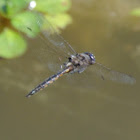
(52, 47)
(107, 73)
(57, 41)
(51, 37)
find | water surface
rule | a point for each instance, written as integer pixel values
(83, 106)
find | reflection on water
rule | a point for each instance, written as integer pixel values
(76, 107)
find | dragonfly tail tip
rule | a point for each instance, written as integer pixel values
(28, 96)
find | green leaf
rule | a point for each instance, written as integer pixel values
(11, 44)
(57, 21)
(135, 12)
(8, 8)
(53, 6)
(28, 22)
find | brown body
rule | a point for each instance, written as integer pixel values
(76, 63)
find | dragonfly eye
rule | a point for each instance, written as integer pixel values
(92, 57)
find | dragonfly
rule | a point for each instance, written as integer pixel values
(76, 63)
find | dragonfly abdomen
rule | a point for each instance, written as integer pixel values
(48, 81)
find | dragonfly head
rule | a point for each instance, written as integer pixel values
(91, 56)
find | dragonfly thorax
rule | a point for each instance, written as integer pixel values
(80, 62)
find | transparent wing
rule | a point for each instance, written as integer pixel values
(58, 43)
(48, 32)
(51, 38)
(53, 49)
(107, 73)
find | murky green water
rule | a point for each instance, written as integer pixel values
(81, 106)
